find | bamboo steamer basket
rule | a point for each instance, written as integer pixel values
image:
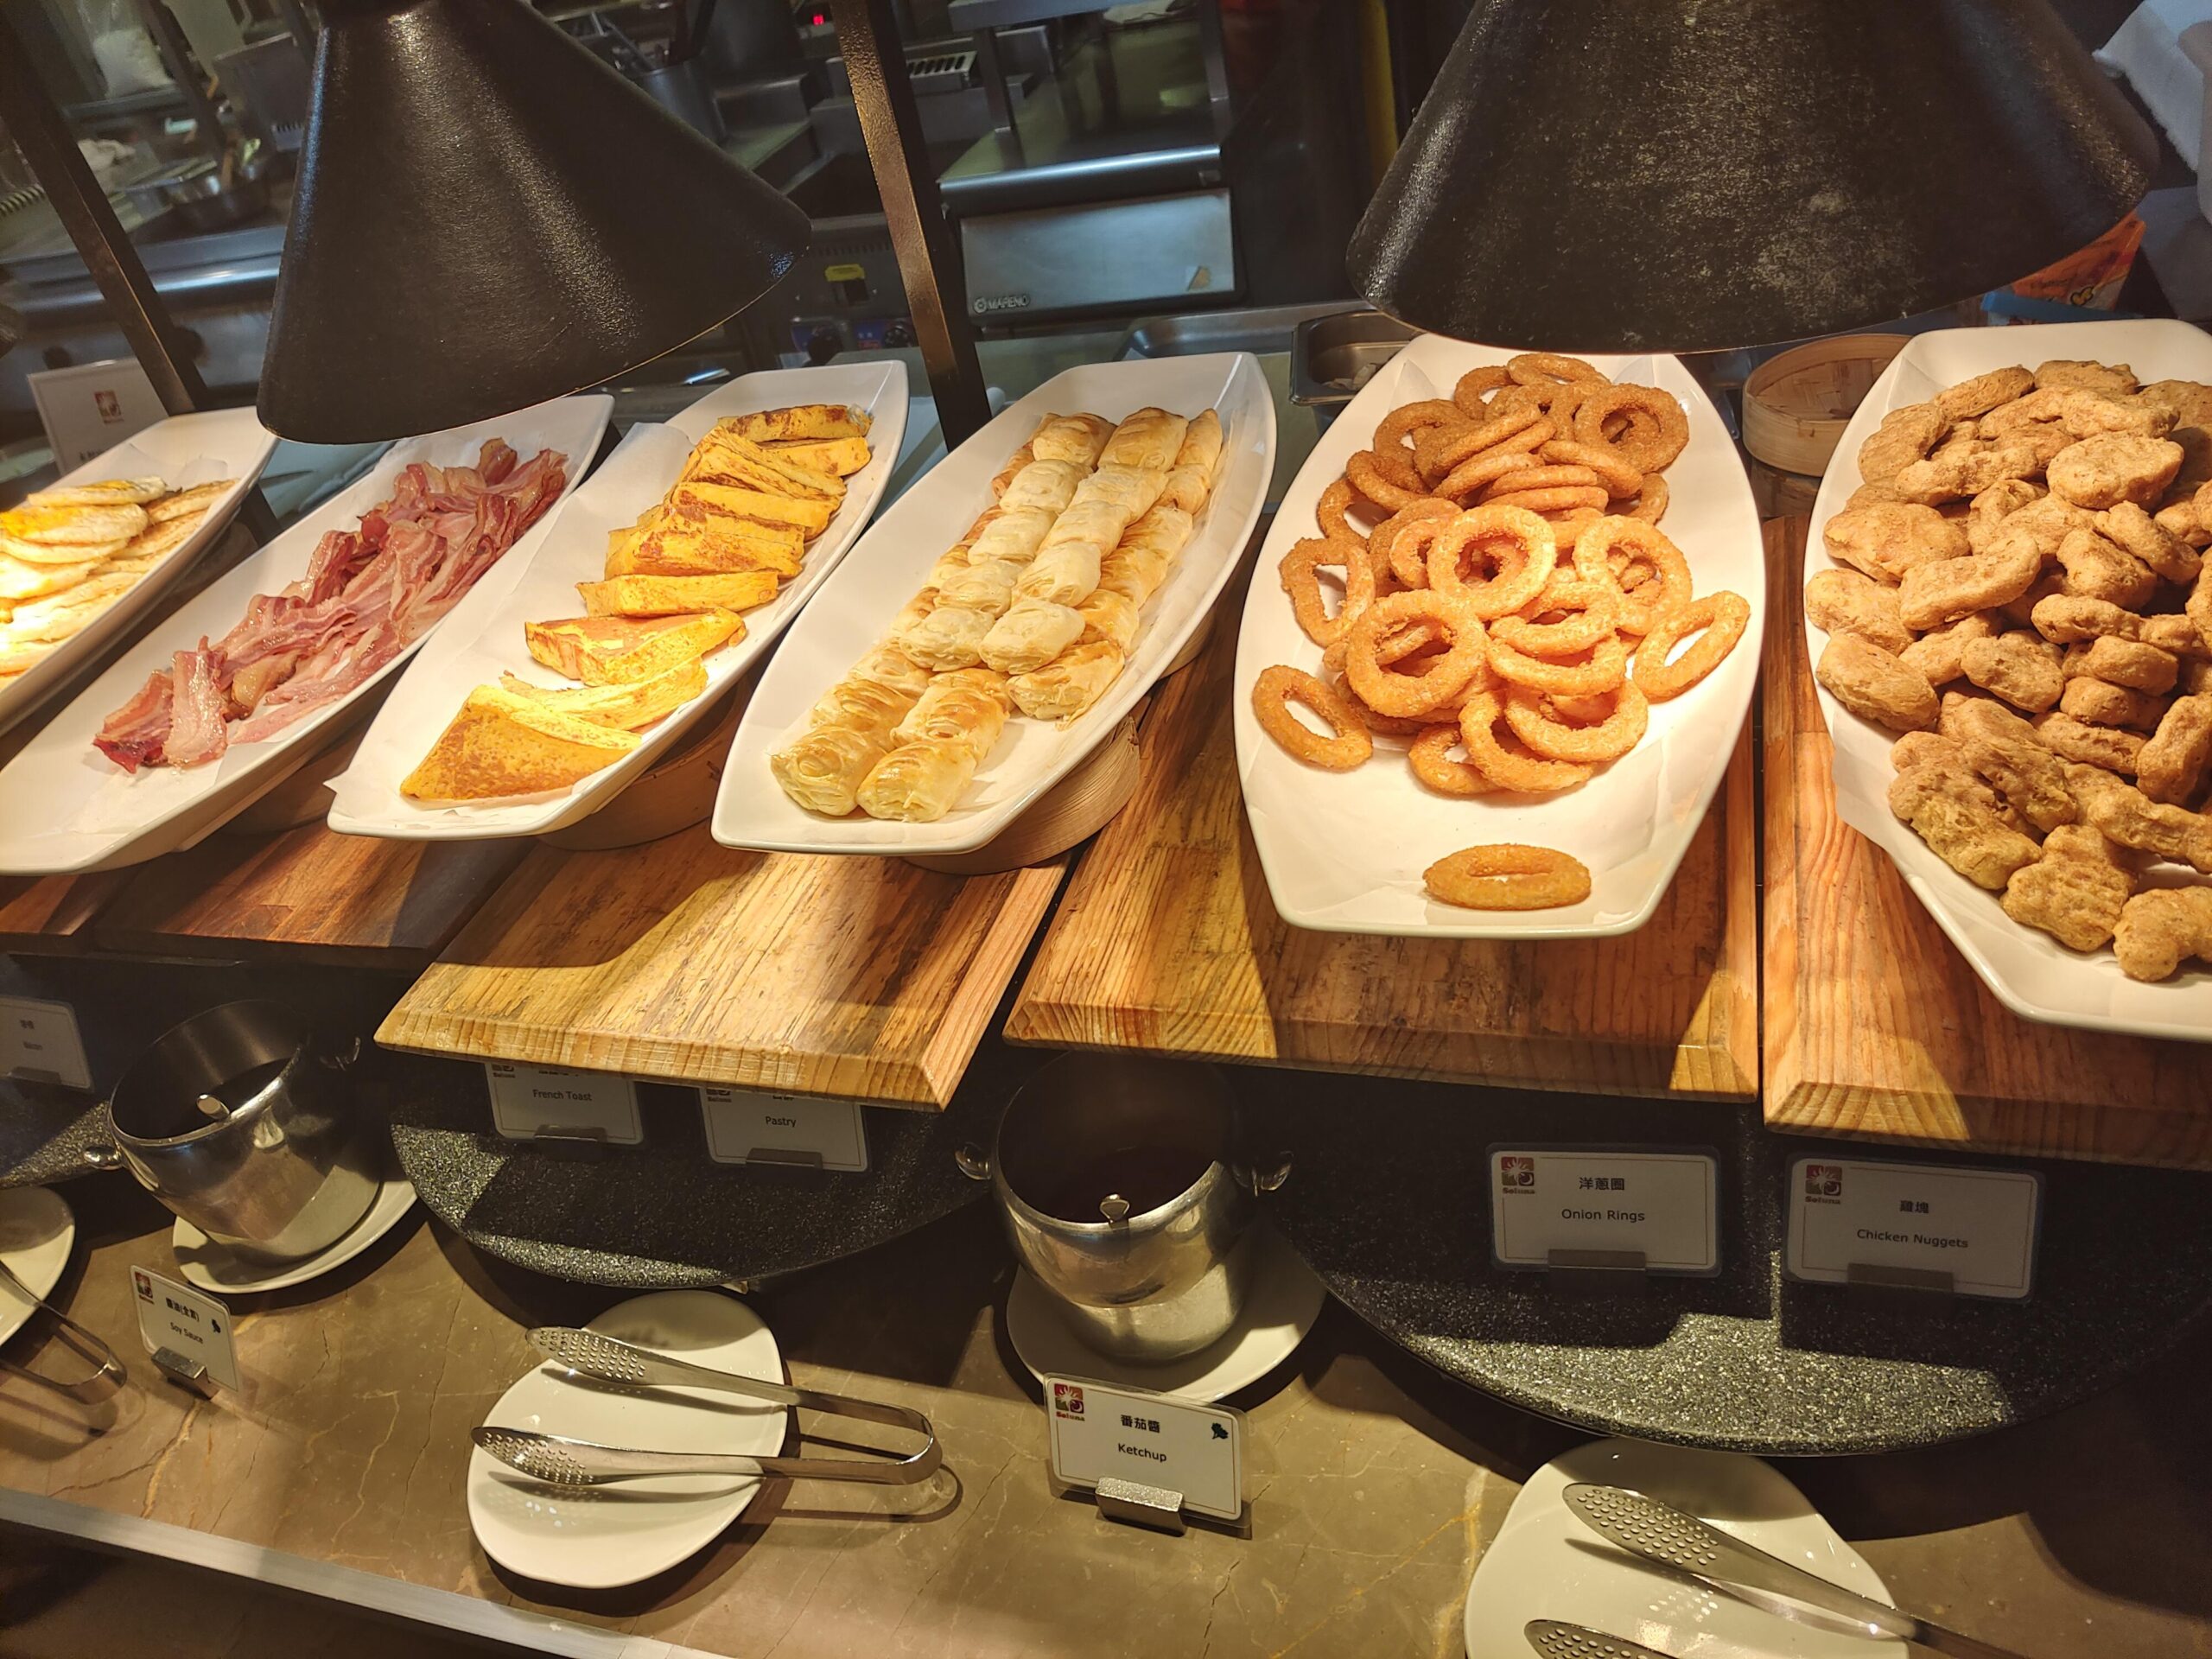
(1797, 403)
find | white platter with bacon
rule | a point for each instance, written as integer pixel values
(220, 702)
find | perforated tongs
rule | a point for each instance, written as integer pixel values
(563, 1462)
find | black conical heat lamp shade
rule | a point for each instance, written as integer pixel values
(1612, 176)
(488, 217)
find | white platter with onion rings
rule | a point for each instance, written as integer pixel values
(1343, 851)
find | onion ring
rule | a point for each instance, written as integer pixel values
(1329, 513)
(1408, 420)
(1480, 528)
(1540, 729)
(1650, 500)
(1607, 469)
(1301, 573)
(1476, 384)
(1442, 450)
(1364, 472)
(1593, 609)
(1522, 773)
(1507, 876)
(1543, 477)
(1348, 744)
(1564, 500)
(1400, 542)
(1386, 725)
(1430, 756)
(1407, 695)
(1614, 547)
(1472, 476)
(1554, 368)
(1601, 667)
(1724, 617)
(1652, 456)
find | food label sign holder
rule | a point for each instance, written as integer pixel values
(1606, 1218)
(1877, 1224)
(187, 1333)
(1149, 1460)
(39, 1042)
(744, 1127)
(544, 1103)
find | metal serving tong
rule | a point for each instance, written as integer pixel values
(563, 1462)
(74, 1336)
(1556, 1640)
(1660, 1532)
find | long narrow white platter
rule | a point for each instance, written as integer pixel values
(65, 807)
(1344, 852)
(2025, 968)
(182, 450)
(888, 567)
(367, 798)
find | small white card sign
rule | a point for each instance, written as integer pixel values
(1662, 1205)
(744, 1127)
(190, 1323)
(1978, 1225)
(1102, 1431)
(89, 409)
(528, 1101)
(40, 1041)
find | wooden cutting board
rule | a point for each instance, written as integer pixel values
(52, 915)
(1875, 1026)
(865, 978)
(1167, 942)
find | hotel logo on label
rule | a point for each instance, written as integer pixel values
(1517, 1174)
(1823, 1183)
(1067, 1400)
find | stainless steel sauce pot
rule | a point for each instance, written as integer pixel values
(238, 1124)
(1145, 1284)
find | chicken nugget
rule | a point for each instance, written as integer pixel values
(2189, 401)
(2067, 618)
(1885, 540)
(2160, 929)
(2021, 667)
(1905, 435)
(2115, 379)
(1952, 814)
(2172, 765)
(2175, 634)
(2098, 568)
(2029, 776)
(1844, 602)
(2021, 613)
(2194, 679)
(1874, 685)
(2131, 664)
(2077, 740)
(2179, 519)
(2075, 892)
(2113, 467)
(1940, 653)
(1970, 469)
(2129, 816)
(1943, 590)
(2131, 528)
(2103, 703)
(1966, 714)
(1928, 749)
(1983, 393)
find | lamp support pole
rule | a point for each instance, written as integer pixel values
(893, 127)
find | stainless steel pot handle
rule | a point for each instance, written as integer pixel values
(1265, 1179)
(974, 1162)
(100, 1156)
(345, 1057)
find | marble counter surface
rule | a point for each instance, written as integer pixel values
(1376, 1482)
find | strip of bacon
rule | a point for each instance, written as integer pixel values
(197, 733)
(133, 735)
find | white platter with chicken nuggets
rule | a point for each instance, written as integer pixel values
(2010, 618)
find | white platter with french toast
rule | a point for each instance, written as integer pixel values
(859, 607)
(228, 448)
(368, 797)
(66, 806)
(2030, 971)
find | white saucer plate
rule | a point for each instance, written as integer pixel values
(596, 1537)
(1287, 1297)
(1545, 1563)
(36, 1234)
(210, 1267)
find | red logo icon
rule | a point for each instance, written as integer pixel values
(1067, 1400)
(1823, 1180)
(110, 405)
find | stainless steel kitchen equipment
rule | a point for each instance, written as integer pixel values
(1332, 357)
(74, 1336)
(287, 1167)
(1119, 1180)
(1556, 1640)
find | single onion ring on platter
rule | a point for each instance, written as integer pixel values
(1593, 612)
(1401, 542)
(1363, 471)
(1445, 677)
(1565, 499)
(1301, 573)
(1600, 669)
(1516, 768)
(1607, 469)
(1471, 477)
(1569, 524)
(1507, 876)
(1651, 504)
(1441, 449)
(1407, 420)
(1554, 368)
(1481, 529)
(1430, 756)
(1652, 456)
(1393, 647)
(1540, 726)
(1722, 615)
(1475, 385)
(1348, 744)
(1385, 725)
(1543, 476)
(1329, 511)
(1613, 547)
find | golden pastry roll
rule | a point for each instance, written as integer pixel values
(1071, 683)
(1065, 575)
(822, 770)
(885, 665)
(913, 612)
(1099, 523)
(1014, 536)
(1050, 485)
(1133, 571)
(1201, 445)
(918, 782)
(1109, 616)
(1165, 531)
(949, 564)
(862, 705)
(1151, 438)
(968, 707)
(1134, 489)
(1186, 489)
(987, 587)
(1006, 474)
(947, 638)
(1071, 437)
(1030, 635)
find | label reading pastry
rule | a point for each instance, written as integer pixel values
(1977, 1226)
(39, 1041)
(530, 1101)
(1663, 1206)
(745, 1128)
